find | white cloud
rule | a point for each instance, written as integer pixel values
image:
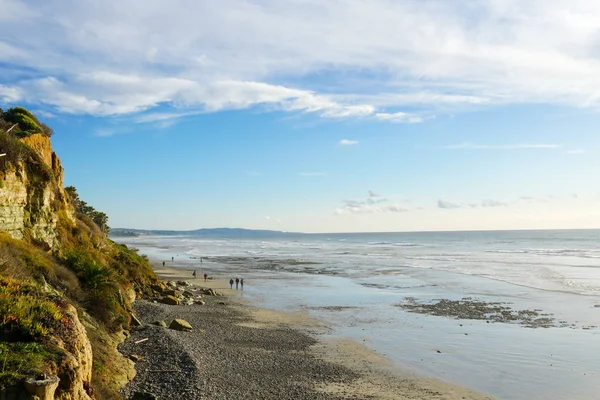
(129, 57)
(576, 151)
(520, 146)
(369, 206)
(493, 203)
(269, 218)
(347, 142)
(448, 204)
(398, 117)
(105, 132)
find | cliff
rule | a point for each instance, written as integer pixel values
(65, 288)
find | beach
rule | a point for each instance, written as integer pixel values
(238, 351)
(511, 314)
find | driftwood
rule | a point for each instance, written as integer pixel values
(141, 340)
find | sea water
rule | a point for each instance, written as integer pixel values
(355, 283)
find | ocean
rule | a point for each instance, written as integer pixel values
(514, 314)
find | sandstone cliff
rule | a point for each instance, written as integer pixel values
(65, 288)
(30, 200)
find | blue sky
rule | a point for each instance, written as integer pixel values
(317, 116)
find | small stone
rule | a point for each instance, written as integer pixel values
(160, 323)
(200, 302)
(135, 357)
(180, 325)
(438, 351)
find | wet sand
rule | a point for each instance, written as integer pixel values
(238, 351)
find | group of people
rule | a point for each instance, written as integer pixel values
(238, 282)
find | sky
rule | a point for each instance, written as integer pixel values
(317, 116)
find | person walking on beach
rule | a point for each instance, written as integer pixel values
(163, 263)
(242, 283)
(231, 283)
(237, 282)
(205, 276)
(172, 258)
(194, 274)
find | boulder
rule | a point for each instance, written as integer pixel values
(171, 283)
(201, 302)
(183, 283)
(188, 294)
(209, 292)
(172, 292)
(173, 301)
(158, 288)
(180, 325)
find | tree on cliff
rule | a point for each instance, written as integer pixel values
(99, 218)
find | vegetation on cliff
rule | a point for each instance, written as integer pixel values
(40, 284)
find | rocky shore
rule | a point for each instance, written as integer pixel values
(236, 351)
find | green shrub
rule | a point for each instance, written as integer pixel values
(27, 122)
(20, 360)
(25, 312)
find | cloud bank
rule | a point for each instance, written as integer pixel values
(392, 61)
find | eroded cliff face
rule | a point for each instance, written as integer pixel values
(30, 201)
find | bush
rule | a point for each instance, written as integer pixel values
(91, 273)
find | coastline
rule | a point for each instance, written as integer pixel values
(237, 350)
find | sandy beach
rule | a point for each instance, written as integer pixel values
(238, 351)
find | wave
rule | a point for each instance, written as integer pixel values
(551, 252)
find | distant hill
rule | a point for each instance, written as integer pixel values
(228, 232)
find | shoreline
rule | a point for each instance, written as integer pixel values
(237, 350)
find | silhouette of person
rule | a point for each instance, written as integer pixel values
(205, 276)
(242, 283)
(237, 282)
(231, 283)
(163, 263)
(194, 274)
(172, 258)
